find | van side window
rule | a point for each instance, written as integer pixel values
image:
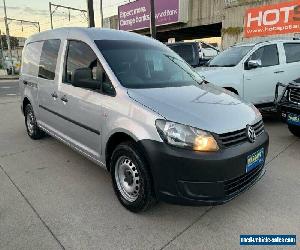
(267, 54)
(48, 60)
(31, 58)
(81, 57)
(292, 52)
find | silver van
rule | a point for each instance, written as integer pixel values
(134, 107)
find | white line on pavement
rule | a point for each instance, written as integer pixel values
(11, 94)
(5, 87)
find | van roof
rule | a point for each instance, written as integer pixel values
(90, 33)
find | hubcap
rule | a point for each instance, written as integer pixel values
(30, 122)
(127, 178)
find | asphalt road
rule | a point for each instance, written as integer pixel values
(53, 198)
(9, 88)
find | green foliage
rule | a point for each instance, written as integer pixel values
(233, 31)
(241, 2)
(14, 42)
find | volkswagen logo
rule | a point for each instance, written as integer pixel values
(251, 133)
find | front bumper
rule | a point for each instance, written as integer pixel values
(189, 177)
(288, 107)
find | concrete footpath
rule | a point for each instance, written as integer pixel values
(53, 198)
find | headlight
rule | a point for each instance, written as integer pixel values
(185, 136)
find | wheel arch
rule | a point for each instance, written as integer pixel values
(113, 141)
(25, 102)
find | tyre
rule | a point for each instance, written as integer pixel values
(33, 130)
(131, 178)
(295, 130)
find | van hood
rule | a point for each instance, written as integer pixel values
(206, 107)
(221, 76)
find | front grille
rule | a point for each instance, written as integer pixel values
(294, 95)
(237, 137)
(235, 185)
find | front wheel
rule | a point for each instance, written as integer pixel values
(131, 178)
(295, 130)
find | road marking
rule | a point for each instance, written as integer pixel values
(11, 94)
(6, 87)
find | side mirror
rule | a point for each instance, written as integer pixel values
(83, 78)
(253, 64)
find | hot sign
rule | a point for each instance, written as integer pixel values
(274, 19)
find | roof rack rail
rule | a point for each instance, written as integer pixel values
(269, 39)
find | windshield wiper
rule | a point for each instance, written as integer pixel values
(229, 65)
(173, 59)
(214, 65)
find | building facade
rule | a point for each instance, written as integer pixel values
(199, 19)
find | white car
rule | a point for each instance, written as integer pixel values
(252, 70)
(8, 62)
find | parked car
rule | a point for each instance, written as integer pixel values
(251, 70)
(194, 53)
(288, 104)
(136, 108)
(12, 63)
(207, 51)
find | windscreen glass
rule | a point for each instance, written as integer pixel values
(230, 57)
(142, 65)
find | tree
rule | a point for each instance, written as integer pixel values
(14, 42)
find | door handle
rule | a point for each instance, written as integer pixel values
(64, 99)
(279, 71)
(54, 95)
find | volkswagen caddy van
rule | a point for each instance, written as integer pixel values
(136, 108)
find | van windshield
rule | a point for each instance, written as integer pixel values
(140, 65)
(230, 57)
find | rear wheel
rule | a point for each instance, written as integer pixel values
(131, 178)
(33, 130)
(295, 130)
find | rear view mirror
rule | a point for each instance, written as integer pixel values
(253, 64)
(83, 78)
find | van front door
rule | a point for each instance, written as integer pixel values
(81, 107)
(260, 82)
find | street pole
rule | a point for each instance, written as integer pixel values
(36, 24)
(101, 14)
(90, 10)
(50, 11)
(152, 20)
(8, 39)
(69, 8)
(2, 54)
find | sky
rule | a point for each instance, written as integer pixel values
(38, 10)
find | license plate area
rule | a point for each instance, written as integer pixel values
(293, 119)
(255, 159)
